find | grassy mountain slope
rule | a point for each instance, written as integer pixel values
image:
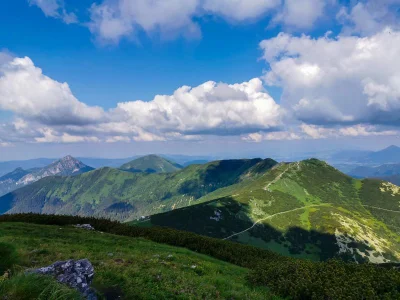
(124, 195)
(129, 268)
(151, 164)
(306, 209)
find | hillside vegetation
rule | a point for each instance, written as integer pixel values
(124, 196)
(131, 267)
(151, 164)
(307, 209)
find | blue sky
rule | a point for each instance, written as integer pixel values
(283, 76)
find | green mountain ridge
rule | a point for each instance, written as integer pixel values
(306, 209)
(151, 164)
(125, 196)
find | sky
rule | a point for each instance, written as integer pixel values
(116, 78)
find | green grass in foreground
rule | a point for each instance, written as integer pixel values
(133, 268)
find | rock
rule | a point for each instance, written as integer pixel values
(77, 274)
(84, 226)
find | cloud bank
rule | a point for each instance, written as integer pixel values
(345, 80)
(46, 111)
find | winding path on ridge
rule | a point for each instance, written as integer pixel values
(395, 211)
(275, 180)
(271, 216)
(266, 188)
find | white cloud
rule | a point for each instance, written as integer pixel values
(112, 20)
(343, 80)
(210, 108)
(369, 16)
(26, 91)
(301, 14)
(240, 10)
(55, 9)
(318, 132)
(45, 110)
(272, 136)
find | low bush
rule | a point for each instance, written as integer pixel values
(334, 279)
(8, 257)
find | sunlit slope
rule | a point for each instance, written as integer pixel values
(126, 196)
(307, 209)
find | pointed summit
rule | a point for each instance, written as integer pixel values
(390, 154)
(65, 166)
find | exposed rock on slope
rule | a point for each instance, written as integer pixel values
(65, 166)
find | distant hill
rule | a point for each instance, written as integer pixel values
(8, 181)
(151, 164)
(105, 162)
(124, 196)
(307, 209)
(388, 155)
(375, 172)
(9, 166)
(20, 177)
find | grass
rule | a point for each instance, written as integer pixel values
(29, 287)
(134, 268)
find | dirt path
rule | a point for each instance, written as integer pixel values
(266, 188)
(396, 211)
(274, 215)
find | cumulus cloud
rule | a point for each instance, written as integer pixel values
(26, 91)
(318, 132)
(369, 17)
(55, 9)
(210, 108)
(343, 80)
(113, 20)
(307, 131)
(240, 10)
(45, 110)
(301, 14)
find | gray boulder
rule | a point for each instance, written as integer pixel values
(77, 274)
(84, 226)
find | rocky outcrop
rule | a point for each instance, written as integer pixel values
(65, 166)
(77, 274)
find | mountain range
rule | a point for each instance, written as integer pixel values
(63, 167)
(388, 155)
(303, 209)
